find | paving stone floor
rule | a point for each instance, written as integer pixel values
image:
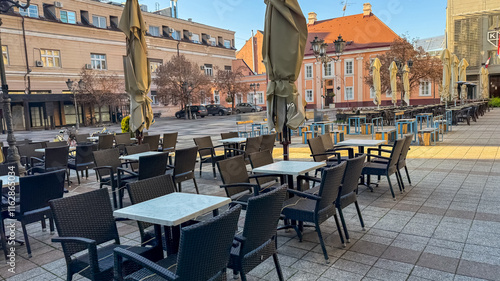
(446, 226)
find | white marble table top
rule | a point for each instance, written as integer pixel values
(42, 150)
(355, 142)
(293, 168)
(93, 138)
(234, 140)
(5, 180)
(135, 157)
(172, 209)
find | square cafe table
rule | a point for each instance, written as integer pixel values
(172, 210)
(233, 140)
(135, 157)
(361, 144)
(289, 168)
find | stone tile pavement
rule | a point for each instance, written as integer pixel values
(446, 226)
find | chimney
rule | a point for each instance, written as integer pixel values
(367, 9)
(313, 17)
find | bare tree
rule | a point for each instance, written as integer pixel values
(425, 67)
(229, 83)
(180, 81)
(99, 88)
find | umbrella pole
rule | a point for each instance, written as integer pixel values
(138, 136)
(285, 141)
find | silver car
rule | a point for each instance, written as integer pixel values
(247, 107)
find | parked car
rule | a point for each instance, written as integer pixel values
(216, 109)
(199, 110)
(247, 107)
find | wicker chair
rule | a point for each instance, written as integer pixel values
(183, 168)
(316, 208)
(27, 151)
(55, 144)
(257, 242)
(168, 145)
(122, 140)
(56, 158)
(35, 193)
(84, 222)
(384, 169)
(83, 160)
(259, 159)
(106, 168)
(203, 253)
(153, 141)
(402, 158)
(105, 142)
(147, 189)
(347, 193)
(236, 182)
(134, 149)
(82, 138)
(206, 151)
(268, 142)
(229, 135)
(252, 145)
(320, 154)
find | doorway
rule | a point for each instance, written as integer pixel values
(494, 86)
(36, 115)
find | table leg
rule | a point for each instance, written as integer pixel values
(215, 212)
(172, 236)
(158, 235)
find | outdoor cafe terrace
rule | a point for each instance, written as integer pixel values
(444, 226)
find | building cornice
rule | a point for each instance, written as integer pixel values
(362, 51)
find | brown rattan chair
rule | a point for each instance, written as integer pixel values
(105, 142)
(229, 135)
(153, 141)
(252, 145)
(268, 142)
(259, 159)
(206, 151)
(183, 168)
(168, 145)
(134, 149)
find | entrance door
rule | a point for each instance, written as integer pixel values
(36, 116)
(494, 86)
(329, 97)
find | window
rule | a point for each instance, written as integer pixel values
(227, 44)
(349, 93)
(239, 98)
(309, 96)
(70, 113)
(99, 21)
(50, 58)
(154, 65)
(98, 61)
(227, 68)
(216, 97)
(195, 38)
(260, 98)
(154, 31)
(329, 68)
(250, 98)
(176, 34)
(212, 41)
(388, 93)
(68, 16)
(349, 67)
(209, 71)
(5, 53)
(309, 71)
(425, 89)
(31, 12)
(154, 98)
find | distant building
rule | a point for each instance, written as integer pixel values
(432, 45)
(62, 37)
(472, 29)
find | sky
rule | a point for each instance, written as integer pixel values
(417, 18)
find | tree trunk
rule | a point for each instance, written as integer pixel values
(100, 115)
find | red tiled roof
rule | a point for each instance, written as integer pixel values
(363, 31)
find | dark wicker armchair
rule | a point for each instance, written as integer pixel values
(268, 142)
(206, 150)
(134, 149)
(252, 145)
(168, 145)
(84, 222)
(183, 168)
(83, 160)
(153, 141)
(257, 242)
(105, 142)
(203, 253)
(316, 207)
(259, 159)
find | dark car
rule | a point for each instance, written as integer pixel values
(199, 110)
(216, 109)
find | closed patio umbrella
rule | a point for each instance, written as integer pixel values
(446, 60)
(406, 84)
(285, 37)
(393, 69)
(454, 77)
(485, 83)
(137, 72)
(462, 76)
(376, 64)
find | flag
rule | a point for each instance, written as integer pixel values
(487, 62)
(498, 50)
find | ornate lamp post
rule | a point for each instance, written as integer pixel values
(401, 71)
(255, 87)
(13, 154)
(71, 87)
(320, 52)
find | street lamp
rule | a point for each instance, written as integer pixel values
(71, 87)
(12, 152)
(401, 71)
(319, 48)
(255, 87)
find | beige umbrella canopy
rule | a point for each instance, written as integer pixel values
(446, 60)
(454, 77)
(462, 76)
(377, 87)
(137, 72)
(485, 83)
(406, 84)
(393, 70)
(285, 37)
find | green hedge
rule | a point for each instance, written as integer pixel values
(495, 102)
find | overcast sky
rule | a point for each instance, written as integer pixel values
(418, 18)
